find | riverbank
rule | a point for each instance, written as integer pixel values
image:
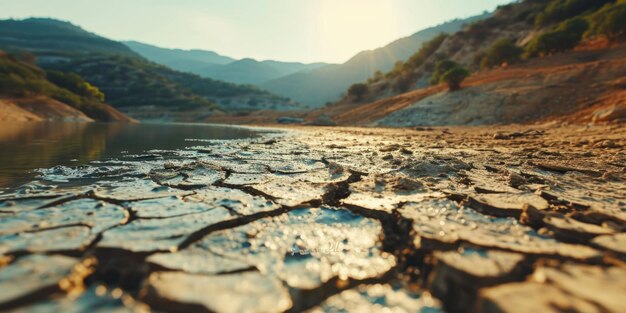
(486, 219)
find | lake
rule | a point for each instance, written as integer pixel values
(25, 147)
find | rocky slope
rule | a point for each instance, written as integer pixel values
(576, 86)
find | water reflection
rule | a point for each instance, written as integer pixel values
(28, 146)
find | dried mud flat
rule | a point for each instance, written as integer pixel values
(487, 219)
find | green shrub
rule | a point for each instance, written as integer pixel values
(12, 84)
(559, 10)
(454, 77)
(610, 22)
(502, 51)
(565, 37)
(67, 97)
(427, 49)
(75, 84)
(358, 90)
(442, 67)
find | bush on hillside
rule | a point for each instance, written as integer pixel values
(427, 49)
(565, 37)
(75, 84)
(403, 81)
(559, 10)
(357, 90)
(454, 77)
(610, 22)
(502, 51)
(442, 67)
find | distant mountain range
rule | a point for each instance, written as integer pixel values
(311, 84)
(212, 65)
(128, 80)
(328, 83)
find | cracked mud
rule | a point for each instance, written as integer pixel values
(330, 220)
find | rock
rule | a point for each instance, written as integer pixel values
(237, 201)
(196, 260)
(441, 223)
(615, 243)
(96, 215)
(307, 247)
(505, 205)
(457, 276)
(516, 180)
(33, 277)
(146, 235)
(236, 293)
(73, 238)
(378, 298)
(570, 230)
(572, 288)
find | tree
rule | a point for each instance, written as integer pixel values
(565, 37)
(358, 90)
(74, 83)
(501, 51)
(442, 67)
(454, 77)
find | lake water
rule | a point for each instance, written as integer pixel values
(25, 147)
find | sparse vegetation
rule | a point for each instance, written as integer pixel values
(502, 51)
(20, 79)
(559, 10)
(454, 77)
(75, 84)
(427, 49)
(565, 37)
(609, 21)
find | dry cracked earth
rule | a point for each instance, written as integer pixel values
(491, 219)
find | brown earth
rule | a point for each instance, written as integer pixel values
(582, 86)
(43, 108)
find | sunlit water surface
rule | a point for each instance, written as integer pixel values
(26, 147)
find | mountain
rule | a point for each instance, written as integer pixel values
(212, 65)
(28, 93)
(530, 61)
(178, 59)
(50, 36)
(327, 83)
(129, 81)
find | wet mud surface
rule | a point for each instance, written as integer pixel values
(488, 219)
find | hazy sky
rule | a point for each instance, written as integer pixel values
(286, 30)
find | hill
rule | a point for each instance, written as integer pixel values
(318, 86)
(523, 70)
(129, 81)
(28, 93)
(212, 65)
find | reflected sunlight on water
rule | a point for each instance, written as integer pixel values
(28, 146)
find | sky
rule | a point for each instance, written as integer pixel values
(285, 30)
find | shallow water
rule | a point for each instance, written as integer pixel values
(25, 147)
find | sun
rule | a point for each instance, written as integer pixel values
(346, 27)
